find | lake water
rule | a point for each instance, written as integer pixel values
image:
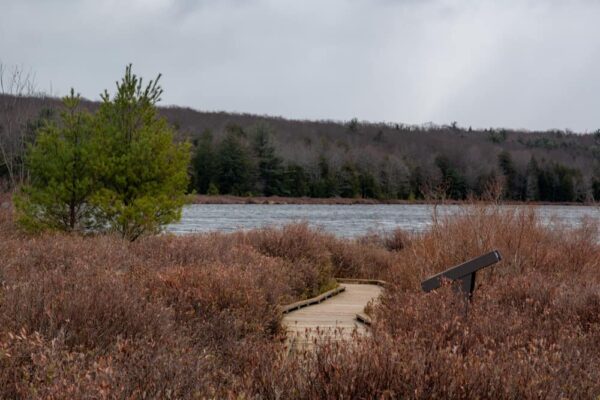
(341, 220)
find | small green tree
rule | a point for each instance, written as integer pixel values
(142, 172)
(213, 190)
(61, 175)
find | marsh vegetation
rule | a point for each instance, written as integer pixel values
(196, 315)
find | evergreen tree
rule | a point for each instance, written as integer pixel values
(270, 168)
(353, 125)
(514, 189)
(369, 186)
(213, 190)
(453, 181)
(595, 181)
(560, 183)
(417, 182)
(532, 188)
(142, 172)
(61, 176)
(323, 184)
(204, 163)
(296, 182)
(235, 169)
(565, 179)
(385, 182)
(348, 181)
(546, 184)
(596, 188)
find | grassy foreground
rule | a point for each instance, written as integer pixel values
(196, 316)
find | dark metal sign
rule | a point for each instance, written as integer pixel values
(463, 273)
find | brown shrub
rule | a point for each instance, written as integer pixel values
(517, 341)
(394, 240)
(196, 316)
(88, 308)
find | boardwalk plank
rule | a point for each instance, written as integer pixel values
(335, 317)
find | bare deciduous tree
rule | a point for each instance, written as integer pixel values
(17, 86)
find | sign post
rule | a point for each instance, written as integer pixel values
(463, 274)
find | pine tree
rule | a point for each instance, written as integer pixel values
(348, 181)
(565, 190)
(323, 184)
(270, 168)
(546, 184)
(514, 183)
(296, 182)
(453, 181)
(596, 188)
(369, 186)
(417, 183)
(204, 163)
(532, 189)
(142, 172)
(234, 166)
(61, 174)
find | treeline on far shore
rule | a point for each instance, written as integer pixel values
(251, 155)
(245, 161)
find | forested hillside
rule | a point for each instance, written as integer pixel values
(258, 155)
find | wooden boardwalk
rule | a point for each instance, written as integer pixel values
(334, 317)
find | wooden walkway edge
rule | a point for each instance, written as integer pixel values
(336, 316)
(314, 300)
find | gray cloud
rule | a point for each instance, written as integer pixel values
(520, 63)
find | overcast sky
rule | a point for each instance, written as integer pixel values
(520, 64)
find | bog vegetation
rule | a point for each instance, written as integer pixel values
(255, 155)
(197, 317)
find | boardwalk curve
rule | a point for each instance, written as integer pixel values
(334, 317)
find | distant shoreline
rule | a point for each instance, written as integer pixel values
(277, 200)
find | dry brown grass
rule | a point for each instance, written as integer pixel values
(532, 331)
(197, 317)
